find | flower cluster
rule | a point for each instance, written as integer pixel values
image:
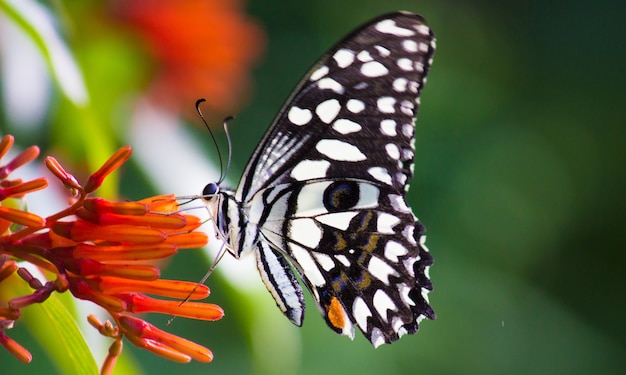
(101, 251)
(199, 46)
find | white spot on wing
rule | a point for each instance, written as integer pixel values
(404, 291)
(324, 260)
(344, 58)
(409, 234)
(331, 84)
(306, 232)
(319, 73)
(343, 260)
(398, 203)
(364, 56)
(399, 84)
(386, 222)
(361, 312)
(373, 69)
(355, 105)
(339, 220)
(339, 150)
(393, 151)
(381, 174)
(393, 250)
(382, 303)
(405, 64)
(409, 45)
(385, 104)
(397, 325)
(390, 27)
(384, 52)
(299, 116)
(309, 169)
(345, 126)
(377, 338)
(380, 269)
(408, 265)
(422, 29)
(307, 265)
(407, 130)
(388, 127)
(328, 110)
(407, 106)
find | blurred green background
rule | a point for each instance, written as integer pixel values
(519, 179)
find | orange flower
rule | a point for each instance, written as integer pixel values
(204, 48)
(102, 251)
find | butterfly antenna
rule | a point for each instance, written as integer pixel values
(218, 257)
(230, 148)
(219, 154)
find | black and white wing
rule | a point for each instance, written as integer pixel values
(324, 190)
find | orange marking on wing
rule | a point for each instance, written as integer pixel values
(335, 313)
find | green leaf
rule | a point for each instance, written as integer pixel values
(52, 325)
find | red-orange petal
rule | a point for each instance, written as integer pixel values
(165, 288)
(101, 206)
(81, 230)
(139, 303)
(89, 268)
(189, 240)
(154, 221)
(80, 289)
(124, 252)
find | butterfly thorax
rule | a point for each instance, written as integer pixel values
(228, 214)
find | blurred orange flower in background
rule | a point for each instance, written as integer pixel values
(203, 48)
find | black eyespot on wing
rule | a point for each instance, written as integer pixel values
(341, 195)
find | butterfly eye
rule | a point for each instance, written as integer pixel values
(210, 190)
(341, 195)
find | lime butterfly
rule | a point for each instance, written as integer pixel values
(323, 195)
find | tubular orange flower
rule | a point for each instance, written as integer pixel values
(103, 252)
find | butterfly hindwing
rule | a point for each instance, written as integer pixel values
(357, 247)
(325, 189)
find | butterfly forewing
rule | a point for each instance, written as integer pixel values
(325, 187)
(357, 104)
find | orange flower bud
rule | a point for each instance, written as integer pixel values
(114, 162)
(20, 217)
(67, 179)
(22, 158)
(17, 350)
(172, 347)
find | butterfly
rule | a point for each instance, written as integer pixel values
(323, 195)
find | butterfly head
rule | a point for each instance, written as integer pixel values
(210, 191)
